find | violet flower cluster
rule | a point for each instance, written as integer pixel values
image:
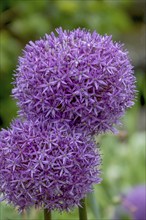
(78, 76)
(68, 87)
(46, 165)
(132, 204)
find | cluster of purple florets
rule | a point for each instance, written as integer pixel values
(46, 165)
(77, 76)
(132, 204)
(68, 88)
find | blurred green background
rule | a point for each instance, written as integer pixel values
(124, 154)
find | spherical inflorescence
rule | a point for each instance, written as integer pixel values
(132, 204)
(46, 165)
(78, 76)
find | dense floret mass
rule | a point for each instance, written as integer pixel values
(78, 76)
(46, 165)
(132, 204)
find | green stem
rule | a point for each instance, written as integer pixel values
(82, 210)
(47, 214)
(24, 215)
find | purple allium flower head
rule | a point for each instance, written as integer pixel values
(133, 205)
(77, 75)
(46, 165)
